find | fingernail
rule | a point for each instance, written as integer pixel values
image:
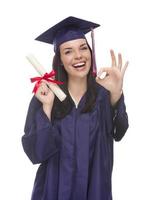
(102, 75)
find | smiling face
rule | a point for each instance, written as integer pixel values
(76, 57)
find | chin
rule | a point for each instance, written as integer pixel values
(82, 74)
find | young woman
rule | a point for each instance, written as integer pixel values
(73, 140)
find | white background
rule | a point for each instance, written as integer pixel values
(125, 28)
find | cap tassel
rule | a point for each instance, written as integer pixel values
(93, 53)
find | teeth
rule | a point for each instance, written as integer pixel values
(79, 64)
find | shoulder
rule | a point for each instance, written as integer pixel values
(35, 103)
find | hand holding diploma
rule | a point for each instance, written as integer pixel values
(52, 84)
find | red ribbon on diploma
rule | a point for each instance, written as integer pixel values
(47, 77)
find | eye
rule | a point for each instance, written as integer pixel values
(67, 52)
(84, 48)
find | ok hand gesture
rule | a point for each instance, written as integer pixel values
(113, 80)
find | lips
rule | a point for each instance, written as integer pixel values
(78, 65)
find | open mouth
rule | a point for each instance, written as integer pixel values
(78, 65)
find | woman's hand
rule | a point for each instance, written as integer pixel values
(44, 94)
(113, 80)
(46, 97)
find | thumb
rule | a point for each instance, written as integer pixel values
(103, 72)
(100, 81)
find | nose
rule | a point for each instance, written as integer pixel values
(78, 55)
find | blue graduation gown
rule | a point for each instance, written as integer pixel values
(76, 152)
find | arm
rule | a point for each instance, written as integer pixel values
(120, 119)
(113, 82)
(40, 140)
(116, 117)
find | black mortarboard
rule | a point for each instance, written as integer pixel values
(68, 29)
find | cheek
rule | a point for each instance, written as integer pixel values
(89, 58)
(66, 65)
(66, 68)
(65, 60)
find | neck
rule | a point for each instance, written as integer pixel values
(77, 87)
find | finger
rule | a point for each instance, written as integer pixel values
(42, 89)
(119, 61)
(103, 72)
(44, 82)
(41, 92)
(100, 81)
(100, 72)
(124, 68)
(45, 86)
(38, 93)
(104, 69)
(113, 58)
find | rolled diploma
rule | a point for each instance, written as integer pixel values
(38, 67)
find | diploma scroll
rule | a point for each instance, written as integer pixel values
(38, 67)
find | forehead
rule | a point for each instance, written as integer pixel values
(73, 43)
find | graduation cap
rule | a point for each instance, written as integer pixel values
(68, 29)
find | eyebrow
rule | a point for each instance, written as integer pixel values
(68, 48)
(83, 44)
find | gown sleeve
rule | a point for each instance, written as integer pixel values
(119, 119)
(40, 138)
